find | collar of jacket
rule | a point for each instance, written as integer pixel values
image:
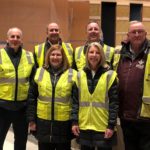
(11, 52)
(99, 71)
(125, 51)
(47, 42)
(87, 43)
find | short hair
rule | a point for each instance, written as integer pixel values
(100, 49)
(49, 24)
(100, 29)
(14, 28)
(65, 63)
(134, 22)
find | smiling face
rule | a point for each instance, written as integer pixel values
(93, 32)
(53, 33)
(93, 57)
(14, 38)
(136, 34)
(55, 58)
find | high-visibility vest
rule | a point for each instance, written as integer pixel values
(80, 59)
(145, 108)
(61, 95)
(39, 52)
(9, 76)
(93, 108)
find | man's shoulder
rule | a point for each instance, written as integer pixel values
(40, 44)
(111, 47)
(81, 47)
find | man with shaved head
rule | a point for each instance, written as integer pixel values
(94, 34)
(53, 37)
(132, 63)
(16, 71)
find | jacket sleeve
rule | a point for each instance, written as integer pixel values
(75, 104)
(32, 102)
(113, 105)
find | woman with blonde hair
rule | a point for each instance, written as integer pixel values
(95, 102)
(49, 101)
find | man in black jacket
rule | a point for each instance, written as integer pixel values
(16, 68)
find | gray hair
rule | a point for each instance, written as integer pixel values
(14, 28)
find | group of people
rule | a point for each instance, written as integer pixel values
(59, 93)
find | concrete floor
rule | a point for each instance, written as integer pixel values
(8, 145)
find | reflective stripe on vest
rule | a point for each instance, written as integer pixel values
(9, 77)
(48, 99)
(80, 51)
(40, 50)
(11, 80)
(107, 52)
(61, 97)
(68, 48)
(28, 57)
(94, 104)
(94, 108)
(0, 57)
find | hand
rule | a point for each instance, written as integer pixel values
(32, 126)
(75, 130)
(108, 133)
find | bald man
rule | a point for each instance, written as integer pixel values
(16, 72)
(53, 37)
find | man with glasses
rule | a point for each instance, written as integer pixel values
(132, 63)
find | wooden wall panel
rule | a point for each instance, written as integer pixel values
(32, 17)
(79, 17)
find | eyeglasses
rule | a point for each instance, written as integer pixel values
(137, 31)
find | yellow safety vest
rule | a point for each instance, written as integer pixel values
(145, 108)
(93, 108)
(39, 52)
(80, 56)
(62, 95)
(8, 77)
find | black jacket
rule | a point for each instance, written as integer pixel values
(48, 130)
(90, 137)
(92, 82)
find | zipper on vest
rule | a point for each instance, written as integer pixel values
(53, 96)
(16, 86)
(52, 105)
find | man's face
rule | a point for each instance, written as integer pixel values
(136, 34)
(14, 38)
(93, 32)
(53, 33)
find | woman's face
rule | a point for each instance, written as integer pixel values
(56, 58)
(93, 57)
